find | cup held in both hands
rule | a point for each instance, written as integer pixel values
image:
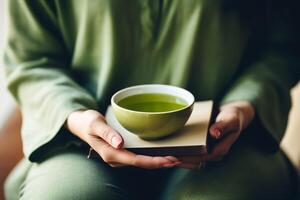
(152, 111)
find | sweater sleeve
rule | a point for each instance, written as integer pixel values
(267, 80)
(37, 67)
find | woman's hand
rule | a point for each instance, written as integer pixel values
(232, 119)
(90, 126)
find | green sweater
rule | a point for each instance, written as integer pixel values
(62, 56)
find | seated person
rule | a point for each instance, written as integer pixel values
(64, 60)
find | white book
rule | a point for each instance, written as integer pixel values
(189, 140)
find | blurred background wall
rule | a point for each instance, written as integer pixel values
(291, 141)
(10, 119)
(6, 101)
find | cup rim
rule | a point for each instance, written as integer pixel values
(152, 85)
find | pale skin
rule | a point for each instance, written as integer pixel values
(91, 127)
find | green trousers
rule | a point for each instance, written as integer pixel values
(245, 173)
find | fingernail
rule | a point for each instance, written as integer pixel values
(177, 163)
(217, 133)
(168, 165)
(171, 158)
(116, 141)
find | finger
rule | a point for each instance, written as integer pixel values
(172, 158)
(149, 162)
(222, 148)
(108, 134)
(215, 131)
(217, 154)
(228, 123)
(124, 157)
(115, 165)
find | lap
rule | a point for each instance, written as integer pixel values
(246, 173)
(68, 174)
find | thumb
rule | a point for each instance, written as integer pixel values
(217, 129)
(108, 134)
(224, 124)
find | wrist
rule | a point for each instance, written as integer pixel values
(73, 123)
(81, 122)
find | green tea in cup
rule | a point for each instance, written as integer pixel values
(152, 111)
(152, 102)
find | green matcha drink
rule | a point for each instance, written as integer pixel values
(152, 102)
(152, 111)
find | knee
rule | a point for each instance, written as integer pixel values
(70, 189)
(70, 176)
